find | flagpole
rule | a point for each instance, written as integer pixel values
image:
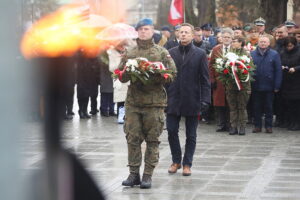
(183, 1)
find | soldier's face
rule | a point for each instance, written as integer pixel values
(260, 28)
(145, 32)
(185, 35)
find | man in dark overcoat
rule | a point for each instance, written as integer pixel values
(189, 94)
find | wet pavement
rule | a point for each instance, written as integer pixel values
(253, 167)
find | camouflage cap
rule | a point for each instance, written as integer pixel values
(260, 21)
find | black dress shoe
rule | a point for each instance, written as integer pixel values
(132, 180)
(81, 115)
(86, 115)
(146, 182)
(242, 131)
(112, 114)
(222, 129)
(68, 117)
(105, 114)
(70, 113)
(296, 127)
(233, 131)
(93, 112)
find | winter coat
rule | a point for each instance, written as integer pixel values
(205, 45)
(120, 89)
(291, 81)
(212, 41)
(171, 44)
(268, 73)
(152, 94)
(106, 81)
(87, 76)
(219, 97)
(191, 86)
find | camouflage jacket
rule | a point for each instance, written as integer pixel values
(154, 94)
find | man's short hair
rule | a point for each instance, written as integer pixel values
(197, 29)
(227, 30)
(189, 25)
(264, 36)
(240, 39)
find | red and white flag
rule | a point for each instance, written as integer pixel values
(176, 12)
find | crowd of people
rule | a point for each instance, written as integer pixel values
(197, 93)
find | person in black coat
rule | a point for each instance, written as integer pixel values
(290, 89)
(188, 95)
(87, 83)
(173, 42)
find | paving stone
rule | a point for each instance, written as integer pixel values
(254, 167)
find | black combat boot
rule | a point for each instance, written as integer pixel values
(233, 131)
(81, 114)
(242, 130)
(132, 180)
(146, 181)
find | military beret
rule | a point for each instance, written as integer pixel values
(260, 22)
(166, 28)
(206, 27)
(248, 27)
(144, 22)
(289, 23)
(177, 27)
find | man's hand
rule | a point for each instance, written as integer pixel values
(276, 91)
(292, 70)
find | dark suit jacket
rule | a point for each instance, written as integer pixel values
(171, 44)
(191, 86)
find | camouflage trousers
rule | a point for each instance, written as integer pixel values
(143, 124)
(237, 102)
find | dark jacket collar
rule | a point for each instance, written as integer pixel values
(185, 49)
(262, 53)
(145, 44)
(197, 44)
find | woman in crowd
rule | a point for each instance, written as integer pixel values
(120, 89)
(290, 59)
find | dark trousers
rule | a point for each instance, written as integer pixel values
(293, 111)
(222, 113)
(93, 97)
(69, 99)
(107, 103)
(83, 104)
(263, 103)
(191, 123)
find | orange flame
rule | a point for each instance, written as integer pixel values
(61, 34)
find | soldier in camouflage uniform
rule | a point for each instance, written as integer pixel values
(238, 99)
(144, 118)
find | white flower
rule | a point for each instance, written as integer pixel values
(219, 61)
(232, 57)
(132, 63)
(142, 59)
(245, 58)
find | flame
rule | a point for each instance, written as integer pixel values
(61, 34)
